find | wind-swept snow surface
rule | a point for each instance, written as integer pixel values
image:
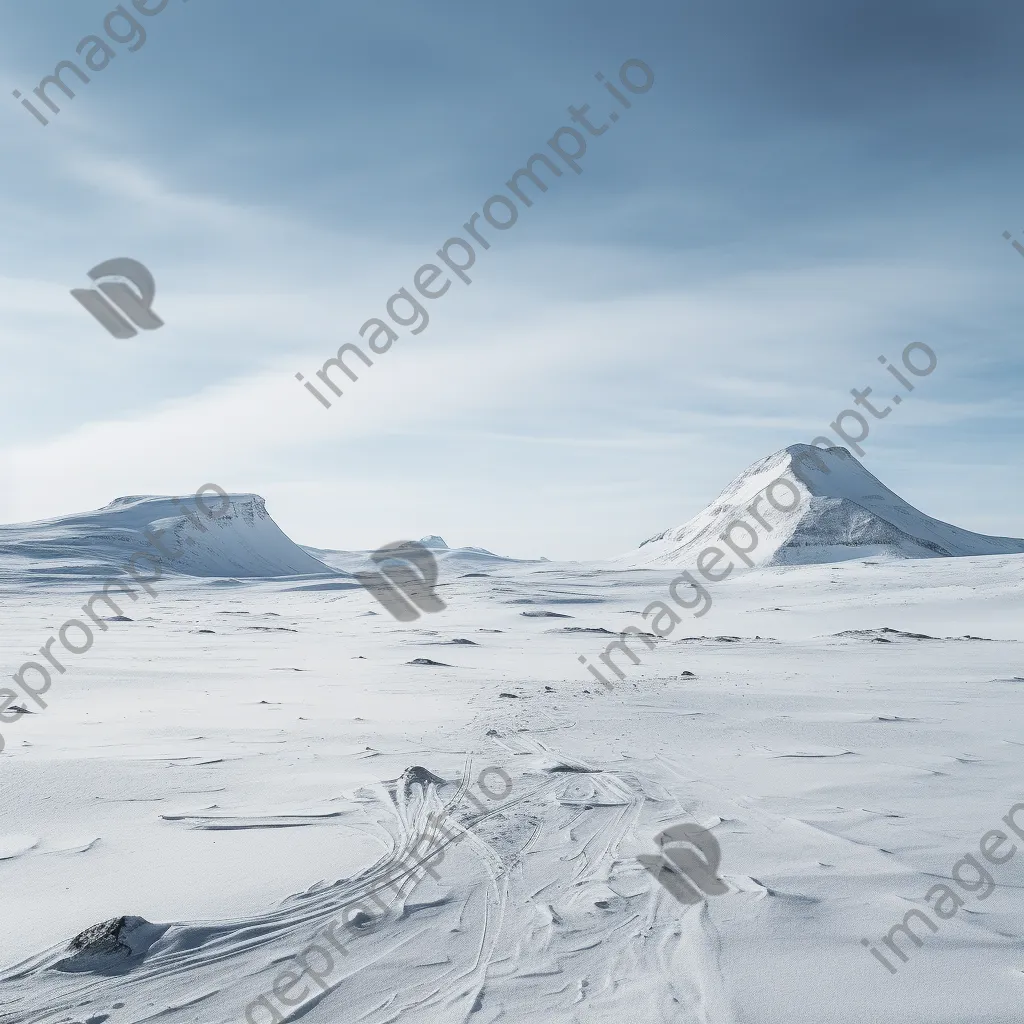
(240, 540)
(833, 510)
(244, 767)
(214, 784)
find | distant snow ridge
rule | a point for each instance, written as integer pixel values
(842, 512)
(242, 542)
(435, 543)
(448, 559)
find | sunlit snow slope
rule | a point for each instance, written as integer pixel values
(242, 542)
(839, 511)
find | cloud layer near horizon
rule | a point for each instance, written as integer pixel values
(800, 192)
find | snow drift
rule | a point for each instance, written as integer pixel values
(840, 511)
(242, 542)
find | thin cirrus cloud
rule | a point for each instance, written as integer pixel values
(786, 204)
(553, 368)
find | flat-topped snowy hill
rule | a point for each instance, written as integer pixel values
(244, 541)
(833, 510)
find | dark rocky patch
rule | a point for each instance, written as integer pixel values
(720, 639)
(546, 615)
(418, 774)
(884, 631)
(111, 947)
(101, 938)
(428, 661)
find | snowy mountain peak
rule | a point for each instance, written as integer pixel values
(811, 505)
(434, 542)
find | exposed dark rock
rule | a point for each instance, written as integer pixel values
(884, 631)
(111, 947)
(418, 774)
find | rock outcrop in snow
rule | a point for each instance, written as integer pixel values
(839, 511)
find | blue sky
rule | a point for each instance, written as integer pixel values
(802, 190)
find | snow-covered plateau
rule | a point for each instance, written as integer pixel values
(256, 757)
